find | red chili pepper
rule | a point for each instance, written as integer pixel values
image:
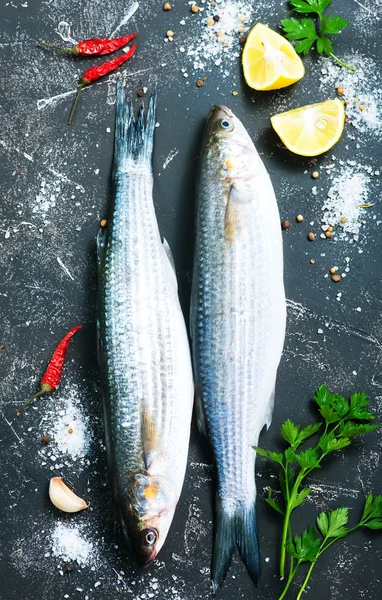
(52, 375)
(95, 73)
(94, 46)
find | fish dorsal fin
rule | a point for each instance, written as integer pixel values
(151, 442)
(237, 209)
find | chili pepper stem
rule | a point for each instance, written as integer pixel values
(82, 85)
(44, 45)
(45, 389)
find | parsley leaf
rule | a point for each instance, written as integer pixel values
(308, 459)
(372, 512)
(306, 546)
(310, 6)
(307, 31)
(290, 432)
(301, 497)
(331, 524)
(308, 431)
(303, 30)
(331, 25)
(272, 502)
(270, 455)
(351, 429)
(358, 403)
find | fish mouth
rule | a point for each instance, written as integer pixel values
(219, 109)
(146, 559)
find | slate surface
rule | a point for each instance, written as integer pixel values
(52, 198)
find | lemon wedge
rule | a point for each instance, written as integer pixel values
(313, 129)
(269, 61)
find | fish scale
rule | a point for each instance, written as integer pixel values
(237, 324)
(143, 347)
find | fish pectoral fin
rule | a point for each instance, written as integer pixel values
(167, 249)
(238, 207)
(151, 440)
(269, 413)
(200, 416)
(101, 240)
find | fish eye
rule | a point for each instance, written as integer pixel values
(226, 124)
(150, 537)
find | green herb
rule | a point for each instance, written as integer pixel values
(340, 423)
(331, 525)
(307, 31)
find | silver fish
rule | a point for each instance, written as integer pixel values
(238, 318)
(144, 353)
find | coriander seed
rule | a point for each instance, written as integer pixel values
(299, 218)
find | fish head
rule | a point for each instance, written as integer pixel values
(234, 165)
(151, 507)
(229, 143)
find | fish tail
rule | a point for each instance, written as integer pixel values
(134, 139)
(231, 530)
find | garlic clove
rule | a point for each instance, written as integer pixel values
(63, 498)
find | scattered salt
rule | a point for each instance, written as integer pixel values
(69, 544)
(348, 190)
(67, 426)
(205, 47)
(361, 88)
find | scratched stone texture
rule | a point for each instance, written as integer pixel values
(55, 188)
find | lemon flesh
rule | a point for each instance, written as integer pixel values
(269, 61)
(313, 129)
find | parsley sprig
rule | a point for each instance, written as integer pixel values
(307, 32)
(341, 421)
(313, 542)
